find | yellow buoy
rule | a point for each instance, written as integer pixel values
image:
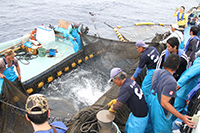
(117, 32)
(29, 91)
(59, 73)
(73, 65)
(40, 84)
(50, 79)
(162, 24)
(91, 56)
(16, 99)
(120, 37)
(66, 69)
(86, 58)
(79, 61)
(115, 29)
(118, 27)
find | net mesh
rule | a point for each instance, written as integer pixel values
(13, 120)
(118, 54)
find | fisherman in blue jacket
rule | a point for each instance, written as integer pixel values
(186, 83)
(73, 32)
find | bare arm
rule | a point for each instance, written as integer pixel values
(1, 75)
(18, 71)
(185, 118)
(175, 12)
(132, 78)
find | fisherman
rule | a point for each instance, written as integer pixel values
(192, 44)
(38, 113)
(186, 83)
(130, 94)
(149, 58)
(181, 18)
(7, 64)
(73, 32)
(198, 24)
(172, 47)
(159, 97)
(33, 34)
(175, 33)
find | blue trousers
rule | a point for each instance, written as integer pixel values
(136, 124)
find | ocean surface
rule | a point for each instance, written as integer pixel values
(84, 85)
(18, 17)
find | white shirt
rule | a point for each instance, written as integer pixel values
(177, 34)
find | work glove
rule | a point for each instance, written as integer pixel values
(111, 109)
(112, 102)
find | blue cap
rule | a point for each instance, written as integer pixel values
(114, 73)
(141, 43)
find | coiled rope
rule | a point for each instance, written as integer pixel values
(91, 123)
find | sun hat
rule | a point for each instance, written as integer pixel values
(36, 100)
(114, 73)
(141, 43)
(9, 52)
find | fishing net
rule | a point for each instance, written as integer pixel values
(114, 54)
(117, 54)
(12, 120)
(142, 31)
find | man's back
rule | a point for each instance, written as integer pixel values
(149, 58)
(131, 94)
(163, 83)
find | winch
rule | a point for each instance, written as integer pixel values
(105, 119)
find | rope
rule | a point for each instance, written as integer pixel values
(25, 56)
(92, 121)
(93, 21)
(13, 106)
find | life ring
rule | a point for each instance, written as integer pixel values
(33, 34)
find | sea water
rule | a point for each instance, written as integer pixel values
(84, 85)
(18, 17)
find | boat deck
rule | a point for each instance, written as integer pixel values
(40, 64)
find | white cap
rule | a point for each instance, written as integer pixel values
(175, 26)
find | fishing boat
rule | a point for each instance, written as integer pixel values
(49, 57)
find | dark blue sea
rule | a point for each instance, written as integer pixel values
(83, 86)
(18, 17)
